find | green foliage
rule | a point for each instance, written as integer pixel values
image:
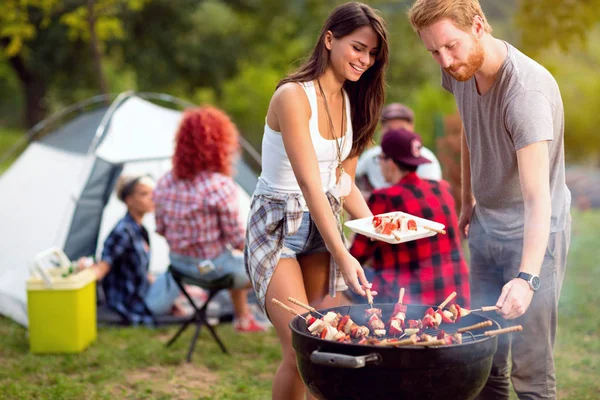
(543, 23)
(578, 79)
(427, 102)
(246, 97)
(232, 52)
(17, 24)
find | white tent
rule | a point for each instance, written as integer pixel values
(59, 192)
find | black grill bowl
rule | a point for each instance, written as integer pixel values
(331, 370)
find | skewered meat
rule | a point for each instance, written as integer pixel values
(399, 311)
(415, 324)
(316, 327)
(332, 318)
(445, 315)
(373, 311)
(396, 328)
(455, 338)
(348, 326)
(431, 319)
(375, 323)
(386, 224)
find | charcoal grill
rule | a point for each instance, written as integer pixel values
(333, 370)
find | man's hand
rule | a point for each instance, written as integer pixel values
(515, 299)
(464, 220)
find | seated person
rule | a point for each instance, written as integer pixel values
(128, 286)
(368, 173)
(429, 268)
(197, 207)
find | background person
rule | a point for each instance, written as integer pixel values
(129, 288)
(368, 172)
(429, 268)
(197, 207)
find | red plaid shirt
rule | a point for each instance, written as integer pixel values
(198, 217)
(430, 268)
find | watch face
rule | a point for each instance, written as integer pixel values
(535, 282)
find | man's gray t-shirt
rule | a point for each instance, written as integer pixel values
(522, 107)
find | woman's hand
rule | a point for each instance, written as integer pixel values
(353, 274)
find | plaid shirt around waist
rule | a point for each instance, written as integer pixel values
(273, 216)
(198, 217)
(429, 268)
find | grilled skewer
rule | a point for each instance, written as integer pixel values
(369, 297)
(474, 327)
(406, 342)
(516, 328)
(440, 231)
(306, 306)
(398, 316)
(482, 309)
(289, 309)
(448, 300)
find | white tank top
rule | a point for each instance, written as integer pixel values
(276, 167)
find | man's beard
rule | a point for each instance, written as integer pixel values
(468, 69)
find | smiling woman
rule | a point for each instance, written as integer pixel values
(319, 120)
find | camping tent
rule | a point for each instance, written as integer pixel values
(59, 192)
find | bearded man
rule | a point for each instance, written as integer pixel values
(515, 203)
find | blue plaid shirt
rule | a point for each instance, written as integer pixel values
(126, 284)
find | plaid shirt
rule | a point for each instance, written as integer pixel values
(429, 268)
(198, 217)
(127, 252)
(273, 216)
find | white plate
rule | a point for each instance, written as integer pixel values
(364, 226)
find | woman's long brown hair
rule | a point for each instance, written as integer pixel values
(367, 95)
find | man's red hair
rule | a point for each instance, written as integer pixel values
(207, 140)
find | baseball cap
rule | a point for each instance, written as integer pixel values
(397, 111)
(403, 146)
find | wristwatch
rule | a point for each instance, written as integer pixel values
(533, 280)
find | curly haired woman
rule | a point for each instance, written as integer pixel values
(197, 207)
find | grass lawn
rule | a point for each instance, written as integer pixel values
(132, 363)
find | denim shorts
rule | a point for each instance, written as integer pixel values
(306, 241)
(228, 262)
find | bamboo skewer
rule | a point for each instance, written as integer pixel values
(289, 309)
(439, 342)
(406, 342)
(401, 295)
(440, 231)
(448, 299)
(485, 309)
(510, 329)
(303, 305)
(476, 326)
(369, 297)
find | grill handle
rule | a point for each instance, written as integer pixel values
(344, 361)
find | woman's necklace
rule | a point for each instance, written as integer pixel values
(343, 180)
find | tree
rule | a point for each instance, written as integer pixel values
(543, 23)
(45, 40)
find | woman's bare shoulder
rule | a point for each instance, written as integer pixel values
(290, 91)
(288, 101)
